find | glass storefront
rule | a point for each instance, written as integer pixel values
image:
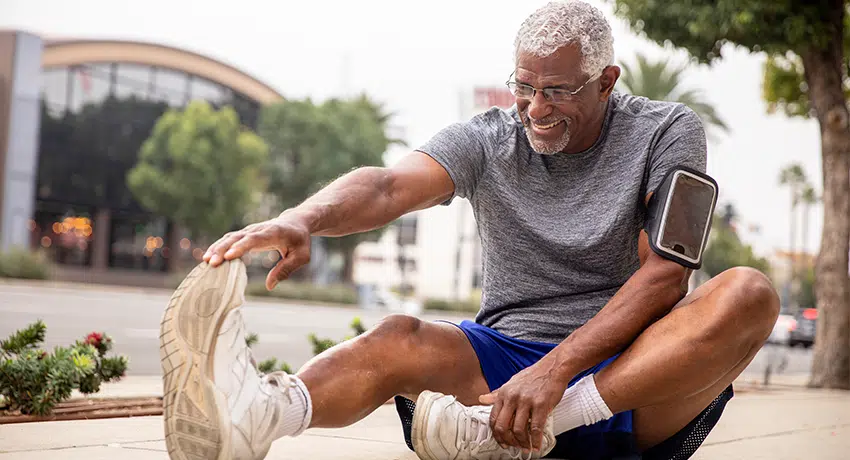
(94, 120)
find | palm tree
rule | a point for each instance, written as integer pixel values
(794, 177)
(808, 197)
(662, 81)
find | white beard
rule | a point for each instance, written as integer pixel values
(544, 147)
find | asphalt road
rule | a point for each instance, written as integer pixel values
(132, 318)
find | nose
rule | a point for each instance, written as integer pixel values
(539, 108)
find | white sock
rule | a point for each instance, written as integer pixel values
(581, 405)
(296, 418)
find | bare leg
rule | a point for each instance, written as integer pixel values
(400, 355)
(682, 362)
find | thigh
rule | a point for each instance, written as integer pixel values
(655, 423)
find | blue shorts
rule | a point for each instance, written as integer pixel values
(501, 357)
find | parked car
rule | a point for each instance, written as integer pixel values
(781, 334)
(804, 327)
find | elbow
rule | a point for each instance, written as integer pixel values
(669, 278)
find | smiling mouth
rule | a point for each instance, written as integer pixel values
(549, 126)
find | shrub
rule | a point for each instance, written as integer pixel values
(21, 263)
(319, 345)
(306, 291)
(455, 305)
(33, 381)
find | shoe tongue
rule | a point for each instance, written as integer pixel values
(279, 379)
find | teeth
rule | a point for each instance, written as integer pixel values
(549, 126)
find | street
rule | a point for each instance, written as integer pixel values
(131, 317)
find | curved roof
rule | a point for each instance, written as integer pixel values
(63, 53)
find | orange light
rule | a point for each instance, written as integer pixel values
(46, 242)
(197, 253)
(185, 243)
(158, 242)
(57, 228)
(31, 225)
(810, 314)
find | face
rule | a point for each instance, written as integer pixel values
(571, 125)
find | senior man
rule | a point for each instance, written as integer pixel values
(593, 208)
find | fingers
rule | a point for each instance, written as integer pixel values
(489, 398)
(538, 421)
(501, 423)
(291, 261)
(215, 253)
(236, 244)
(249, 242)
(520, 425)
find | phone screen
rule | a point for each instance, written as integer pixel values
(688, 215)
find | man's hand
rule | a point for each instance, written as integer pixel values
(522, 405)
(287, 234)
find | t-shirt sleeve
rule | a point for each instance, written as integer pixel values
(461, 148)
(682, 143)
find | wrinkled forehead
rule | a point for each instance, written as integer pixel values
(561, 67)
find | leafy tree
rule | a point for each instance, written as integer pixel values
(725, 248)
(661, 81)
(809, 39)
(200, 169)
(312, 144)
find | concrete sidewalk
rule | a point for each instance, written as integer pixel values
(783, 422)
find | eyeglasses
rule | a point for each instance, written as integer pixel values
(554, 95)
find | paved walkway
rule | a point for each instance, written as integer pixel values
(784, 422)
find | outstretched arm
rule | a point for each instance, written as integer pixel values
(362, 200)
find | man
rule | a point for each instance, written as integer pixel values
(585, 345)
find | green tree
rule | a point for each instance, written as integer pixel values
(312, 144)
(725, 248)
(662, 81)
(812, 36)
(199, 168)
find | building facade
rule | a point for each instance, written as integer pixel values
(441, 257)
(73, 115)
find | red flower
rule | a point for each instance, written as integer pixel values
(94, 339)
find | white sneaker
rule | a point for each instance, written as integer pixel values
(216, 404)
(444, 429)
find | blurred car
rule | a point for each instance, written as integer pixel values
(781, 333)
(804, 327)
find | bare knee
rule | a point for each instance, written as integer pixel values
(747, 304)
(397, 331)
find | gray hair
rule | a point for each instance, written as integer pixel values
(560, 23)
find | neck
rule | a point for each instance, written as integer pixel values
(586, 141)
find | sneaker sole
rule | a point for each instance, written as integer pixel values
(194, 412)
(424, 403)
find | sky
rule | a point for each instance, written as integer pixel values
(418, 58)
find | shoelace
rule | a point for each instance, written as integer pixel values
(478, 424)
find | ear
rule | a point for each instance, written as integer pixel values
(607, 80)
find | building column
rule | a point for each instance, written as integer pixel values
(20, 117)
(100, 249)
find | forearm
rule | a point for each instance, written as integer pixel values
(647, 296)
(356, 202)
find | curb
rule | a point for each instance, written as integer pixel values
(90, 409)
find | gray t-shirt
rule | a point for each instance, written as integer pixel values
(559, 233)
